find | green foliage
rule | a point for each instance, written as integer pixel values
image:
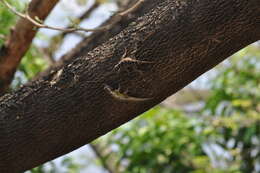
(164, 140)
(67, 164)
(42, 169)
(81, 2)
(71, 166)
(161, 140)
(7, 18)
(235, 104)
(31, 64)
(238, 85)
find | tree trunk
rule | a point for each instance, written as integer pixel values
(153, 58)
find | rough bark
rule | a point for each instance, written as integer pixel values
(116, 24)
(20, 40)
(153, 58)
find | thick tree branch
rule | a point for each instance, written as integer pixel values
(20, 40)
(153, 58)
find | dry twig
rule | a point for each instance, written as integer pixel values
(132, 9)
(19, 40)
(40, 24)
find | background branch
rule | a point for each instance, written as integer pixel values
(116, 24)
(20, 40)
(37, 22)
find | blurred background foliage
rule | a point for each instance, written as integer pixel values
(8, 19)
(223, 135)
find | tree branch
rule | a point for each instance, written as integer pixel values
(107, 166)
(51, 117)
(39, 23)
(54, 44)
(20, 40)
(116, 24)
(133, 8)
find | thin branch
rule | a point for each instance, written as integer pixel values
(132, 9)
(19, 40)
(55, 45)
(40, 24)
(116, 23)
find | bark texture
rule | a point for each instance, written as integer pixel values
(20, 40)
(115, 23)
(153, 58)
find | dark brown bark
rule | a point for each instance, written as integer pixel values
(116, 24)
(20, 40)
(153, 58)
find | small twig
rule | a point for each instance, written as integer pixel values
(132, 9)
(39, 24)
